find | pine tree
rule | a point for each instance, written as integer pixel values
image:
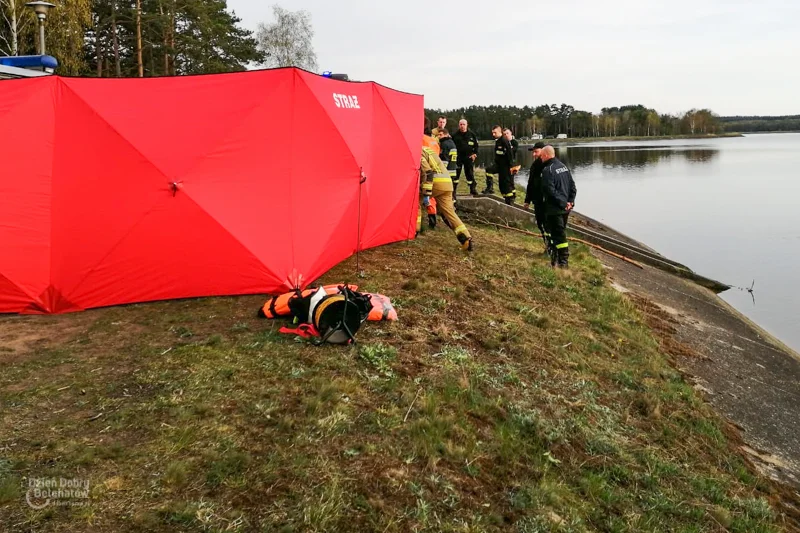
(178, 37)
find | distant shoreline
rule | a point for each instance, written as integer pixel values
(580, 140)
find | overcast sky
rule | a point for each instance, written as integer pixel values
(735, 57)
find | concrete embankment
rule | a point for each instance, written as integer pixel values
(748, 375)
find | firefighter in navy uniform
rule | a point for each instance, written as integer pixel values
(449, 154)
(516, 166)
(534, 194)
(436, 183)
(559, 192)
(467, 146)
(503, 163)
(514, 143)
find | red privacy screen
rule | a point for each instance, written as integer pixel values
(132, 190)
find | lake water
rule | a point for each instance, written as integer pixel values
(727, 208)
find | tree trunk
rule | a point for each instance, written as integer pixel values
(139, 62)
(172, 38)
(14, 31)
(98, 49)
(166, 38)
(117, 67)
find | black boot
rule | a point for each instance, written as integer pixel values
(563, 258)
(489, 185)
(432, 221)
(466, 243)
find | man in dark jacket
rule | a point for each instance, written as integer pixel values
(559, 199)
(449, 154)
(514, 143)
(534, 194)
(467, 146)
(503, 161)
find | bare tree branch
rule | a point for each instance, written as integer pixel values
(287, 41)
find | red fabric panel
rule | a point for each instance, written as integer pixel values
(26, 162)
(394, 191)
(14, 299)
(268, 166)
(193, 113)
(177, 250)
(242, 182)
(102, 188)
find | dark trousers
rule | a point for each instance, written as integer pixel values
(557, 227)
(506, 182)
(541, 223)
(469, 171)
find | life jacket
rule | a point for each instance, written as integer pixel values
(332, 318)
(382, 308)
(431, 206)
(279, 305)
(291, 303)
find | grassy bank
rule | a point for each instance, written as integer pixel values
(581, 140)
(508, 397)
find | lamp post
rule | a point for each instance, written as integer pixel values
(41, 9)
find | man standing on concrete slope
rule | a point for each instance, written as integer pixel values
(503, 162)
(467, 146)
(449, 154)
(559, 199)
(534, 194)
(514, 143)
(516, 166)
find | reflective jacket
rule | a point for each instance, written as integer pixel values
(449, 155)
(466, 144)
(431, 142)
(558, 187)
(503, 153)
(433, 174)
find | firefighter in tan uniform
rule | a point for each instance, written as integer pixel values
(436, 182)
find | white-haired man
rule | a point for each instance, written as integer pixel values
(559, 193)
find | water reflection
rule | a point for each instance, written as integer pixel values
(626, 158)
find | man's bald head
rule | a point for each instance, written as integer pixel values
(548, 152)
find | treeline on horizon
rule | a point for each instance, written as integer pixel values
(629, 120)
(758, 123)
(552, 120)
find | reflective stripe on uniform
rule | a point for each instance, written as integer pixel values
(460, 229)
(442, 180)
(508, 195)
(562, 245)
(456, 182)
